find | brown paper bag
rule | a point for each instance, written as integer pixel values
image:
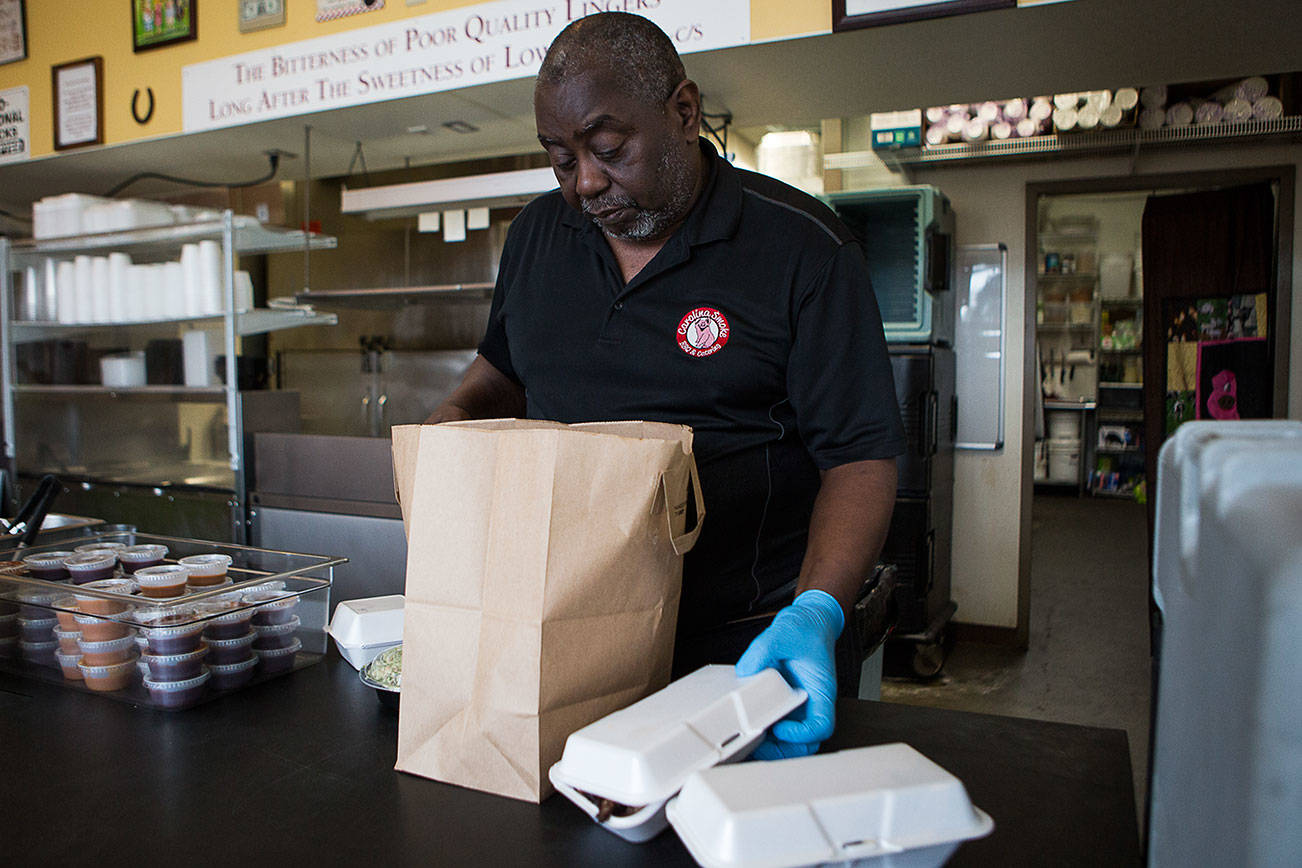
(544, 563)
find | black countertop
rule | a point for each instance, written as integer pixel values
(300, 768)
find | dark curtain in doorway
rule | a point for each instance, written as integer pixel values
(1209, 264)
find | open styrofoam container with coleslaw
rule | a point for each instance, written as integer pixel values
(886, 806)
(622, 768)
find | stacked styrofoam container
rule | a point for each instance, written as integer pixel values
(83, 214)
(362, 629)
(1227, 576)
(669, 759)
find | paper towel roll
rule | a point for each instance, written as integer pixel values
(99, 271)
(1179, 115)
(30, 308)
(1251, 89)
(1111, 116)
(1027, 127)
(1126, 97)
(1152, 119)
(1014, 110)
(1040, 110)
(1088, 117)
(1237, 111)
(1153, 97)
(1001, 130)
(1268, 108)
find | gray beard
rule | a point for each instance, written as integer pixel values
(650, 223)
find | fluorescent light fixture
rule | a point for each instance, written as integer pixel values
(461, 127)
(489, 190)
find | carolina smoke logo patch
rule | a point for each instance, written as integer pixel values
(703, 332)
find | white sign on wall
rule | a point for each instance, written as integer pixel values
(474, 45)
(15, 125)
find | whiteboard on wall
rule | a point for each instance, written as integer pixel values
(981, 286)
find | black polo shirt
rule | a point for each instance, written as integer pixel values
(755, 324)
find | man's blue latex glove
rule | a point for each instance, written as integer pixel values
(799, 644)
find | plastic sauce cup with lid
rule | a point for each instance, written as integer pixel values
(165, 580)
(226, 651)
(68, 663)
(278, 659)
(101, 628)
(65, 608)
(114, 547)
(273, 607)
(101, 606)
(40, 653)
(206, 570)
(68, 640)
(47, 565)
(176, 667)
(35, 604)
(226, 619)
(133, 558)
(275, 635)
(229, 676)
(37, 629)
(90, 566)
(115, 676)
(177, 694)
(171, 632)
(107, 651)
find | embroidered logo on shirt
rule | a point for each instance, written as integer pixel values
(703, 332)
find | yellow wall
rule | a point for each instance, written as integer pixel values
(59, 31)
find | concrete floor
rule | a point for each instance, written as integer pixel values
(1088, 660)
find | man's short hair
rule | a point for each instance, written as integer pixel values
(640, 55)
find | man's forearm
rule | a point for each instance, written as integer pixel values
(852, 515)
(484, 393)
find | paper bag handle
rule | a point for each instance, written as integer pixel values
(683, 542)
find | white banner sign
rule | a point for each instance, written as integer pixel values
(15, 125)
(478, 44)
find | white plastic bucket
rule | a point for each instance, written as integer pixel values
(1064, 460)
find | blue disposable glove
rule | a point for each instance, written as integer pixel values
(799, 644)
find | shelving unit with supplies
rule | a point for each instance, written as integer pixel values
(183, 446)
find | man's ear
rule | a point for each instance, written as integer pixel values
(685, 103)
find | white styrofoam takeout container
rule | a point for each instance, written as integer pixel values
(640, 755)
(876, 807)
(363, 628)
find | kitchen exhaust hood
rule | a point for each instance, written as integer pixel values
(489, 190)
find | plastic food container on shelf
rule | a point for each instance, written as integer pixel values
(123, 637)
(364, 628)
(872, 807)
(623, 768)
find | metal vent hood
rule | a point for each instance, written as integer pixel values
(489, 190)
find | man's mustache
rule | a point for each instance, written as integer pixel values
(607, 203)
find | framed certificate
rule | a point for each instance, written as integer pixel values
(13, 31)
(78, 103)
(155, 23)
(853, 14)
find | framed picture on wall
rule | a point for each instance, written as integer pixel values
(13, 31)
(155, 23)
(78, 103)
(854, 14)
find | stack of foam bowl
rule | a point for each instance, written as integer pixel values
(623, 768)
(274, 624)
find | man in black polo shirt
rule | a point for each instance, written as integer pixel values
(662, 283)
